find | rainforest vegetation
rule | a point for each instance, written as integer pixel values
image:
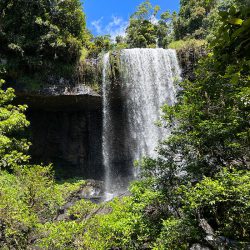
(195, 193)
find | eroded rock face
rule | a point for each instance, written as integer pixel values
(66, 130)
(60, 97)
(71, 140)
(91, 190)
(188, 59)
(66, 123)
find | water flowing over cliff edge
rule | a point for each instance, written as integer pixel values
(148, 79)
(99, 137)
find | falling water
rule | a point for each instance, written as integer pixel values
(107, 127)
(131, 108)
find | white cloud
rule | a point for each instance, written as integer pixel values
(97, 24)
(116, 27)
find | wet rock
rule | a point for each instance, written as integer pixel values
(66, 129)
(188, 59)
(92, 190)
(199, 247)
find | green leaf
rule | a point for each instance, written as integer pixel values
(223, 14)
(235, 21)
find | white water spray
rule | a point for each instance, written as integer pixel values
(149, 79)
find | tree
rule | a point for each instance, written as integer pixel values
(165, 29)
(146, 31)
(190, 21)
(198, 19)
(100, 44)
(36, 35)
(203, 167)
(29, 195)
(141, 32)
(120, 43)
(12, 123)
(209, 122)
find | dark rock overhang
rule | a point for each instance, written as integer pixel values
(56, 98)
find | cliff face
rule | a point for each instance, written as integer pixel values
(66, 130)
(188, 59)
(66, 124)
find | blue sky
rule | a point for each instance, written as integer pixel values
(111, 16)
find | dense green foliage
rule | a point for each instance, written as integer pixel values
(41, 35)
(29, 196)
(195, 192)
(199, 19)
(194, 19)
(12, 124)
(203, 168)
(145, 31)
(43, 29)
(29, 203)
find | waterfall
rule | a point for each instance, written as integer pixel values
(130, 109)
(107, 123)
